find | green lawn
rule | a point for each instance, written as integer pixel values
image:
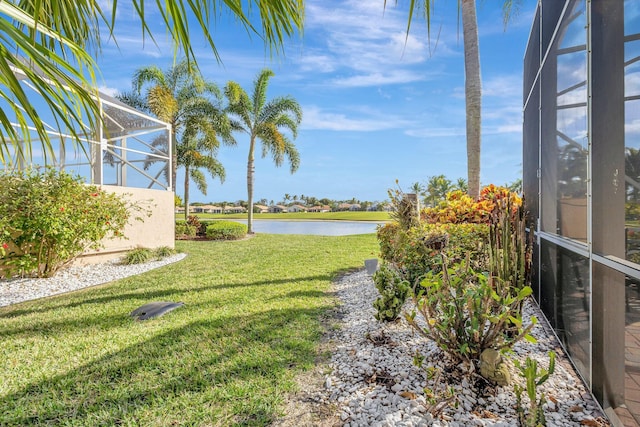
(333, 216)
(250, 323)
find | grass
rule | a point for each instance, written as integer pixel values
(301, 216)
(249, 324)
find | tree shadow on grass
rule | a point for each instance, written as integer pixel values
(142, 296)
(221, 371)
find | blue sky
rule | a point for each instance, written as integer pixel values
(376, 109)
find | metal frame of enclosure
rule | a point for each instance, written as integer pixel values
(130, 148)
(581, 161)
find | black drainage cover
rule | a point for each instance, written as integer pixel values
(154, 309)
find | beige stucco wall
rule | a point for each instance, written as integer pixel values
(156, 230)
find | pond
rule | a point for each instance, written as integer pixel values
(320, 228)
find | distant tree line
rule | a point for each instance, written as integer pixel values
(430, 193)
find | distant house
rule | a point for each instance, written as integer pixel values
(384, 207)
(234, 209)
(260, 208)
(297, 208)
(206, 209)
(278, 209)
(349, 207)
(319, 208)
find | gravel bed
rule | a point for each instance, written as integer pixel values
(373, 381)
(17, 290)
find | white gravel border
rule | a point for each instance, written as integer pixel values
(13, 291)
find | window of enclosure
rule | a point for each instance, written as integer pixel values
(571, 123)
(632, 129)
(616, 342)
(566, 299)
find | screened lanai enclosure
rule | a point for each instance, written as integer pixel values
(124, 151)
(130, 149)
(582, 187)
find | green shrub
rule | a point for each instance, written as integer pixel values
(412, 253)
(509, 249)
(405, 211)
(200, 227)
(142, 255)
(138, 256)
(163, 252)
(49, 218)
(466, 312)
(533, 377)
(184, 230)
(226, 230)
(393, 293)
(459, 208)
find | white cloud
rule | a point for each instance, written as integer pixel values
(133, 44)
(379, 78)
(111, 91)
(363, 121)
(364, 43)
(504, 86)
(632, 127)
(436, 132)
(317, 63)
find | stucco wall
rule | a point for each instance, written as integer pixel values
(155, 231)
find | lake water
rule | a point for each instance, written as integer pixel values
(320, 228)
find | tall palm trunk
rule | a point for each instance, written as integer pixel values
(473, 94)
(250, 171)
(186, 192)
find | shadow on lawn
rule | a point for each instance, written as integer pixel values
(141, 296)
(216, 372)
(126, 303)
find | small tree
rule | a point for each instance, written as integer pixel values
(48, 219)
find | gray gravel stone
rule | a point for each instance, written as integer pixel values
(13, 291)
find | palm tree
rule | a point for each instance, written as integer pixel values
(176, 96)
(61, 38)
(461, 184)
(437, 189)
(472, 87)
(263, 120)
(417, 188)
(199, 146)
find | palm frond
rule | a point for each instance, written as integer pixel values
(199, 179)
(280, 19)
(151, 74)
(133, 99)
(162, 103)
(63, 87)
(57, 38)
(239, 105)
(76, 20)
(291, 152)
(260, 90)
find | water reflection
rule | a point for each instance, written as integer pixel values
(319, 228)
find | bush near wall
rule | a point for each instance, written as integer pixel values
(413, 254)
(184, 230)
(467, 261)
(459, 208)
(47, 219)
(226, 230)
